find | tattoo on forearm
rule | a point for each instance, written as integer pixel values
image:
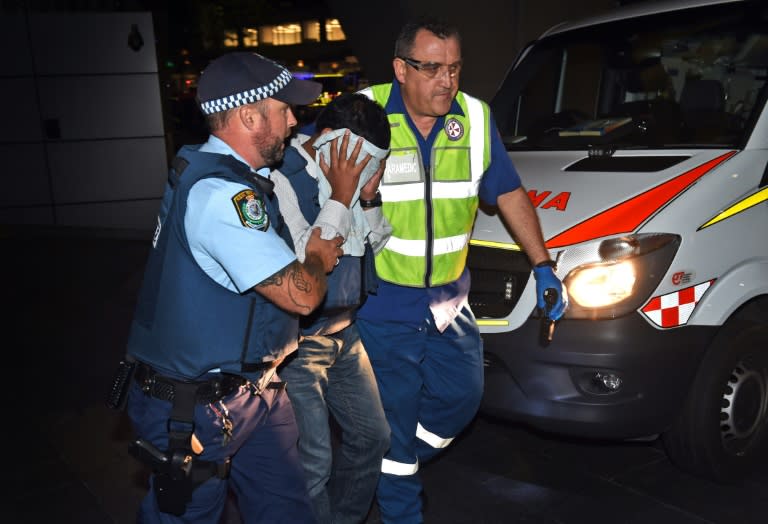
(314, 267)
(274, 280)
(298, 278)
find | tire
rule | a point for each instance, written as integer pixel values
(722, 431)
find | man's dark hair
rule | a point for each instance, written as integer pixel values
(439, 28)
(358, 113)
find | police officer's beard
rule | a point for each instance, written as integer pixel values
(270, 147)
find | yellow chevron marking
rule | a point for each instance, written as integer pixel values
(498, 245)
(488, 322)
(738, 207)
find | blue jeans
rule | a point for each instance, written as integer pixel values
(332, 374)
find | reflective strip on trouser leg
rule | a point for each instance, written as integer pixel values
(436, 441)
(401, 469)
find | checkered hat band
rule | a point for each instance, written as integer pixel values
(247, 97)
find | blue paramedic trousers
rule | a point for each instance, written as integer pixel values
(266, 474)
(431, 384)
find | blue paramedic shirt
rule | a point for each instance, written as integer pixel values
(413, 304)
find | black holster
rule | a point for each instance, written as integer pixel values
(177, 471)
(174, 486)
(176, 474)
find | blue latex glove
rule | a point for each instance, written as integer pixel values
(546, 279)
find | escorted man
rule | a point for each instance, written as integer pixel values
(419, 330)
(330, 374)
(218, 311)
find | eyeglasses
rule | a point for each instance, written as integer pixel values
(433, 69)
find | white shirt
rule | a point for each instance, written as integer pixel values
(334, 217)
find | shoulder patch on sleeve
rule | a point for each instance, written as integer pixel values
(251, 210)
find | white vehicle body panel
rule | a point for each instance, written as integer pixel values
(659, 228)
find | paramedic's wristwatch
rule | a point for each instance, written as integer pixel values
(375, 202)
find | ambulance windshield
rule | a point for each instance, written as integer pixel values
(696, 78)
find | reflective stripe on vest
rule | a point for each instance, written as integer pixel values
(459, 157)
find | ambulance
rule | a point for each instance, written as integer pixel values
(641, 137)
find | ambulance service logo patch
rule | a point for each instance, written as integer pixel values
(453, 129)
(250, 210)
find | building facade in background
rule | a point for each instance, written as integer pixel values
(337, 42)
(82, 143)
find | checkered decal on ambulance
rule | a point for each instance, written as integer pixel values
(674, 309)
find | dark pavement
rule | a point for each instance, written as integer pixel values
(70, 303)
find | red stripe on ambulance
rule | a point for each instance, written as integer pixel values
(628, 215)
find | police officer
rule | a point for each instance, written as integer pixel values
(419, 331)
(218, 311)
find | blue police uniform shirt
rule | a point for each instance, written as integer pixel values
(234, 256)
(413, 304)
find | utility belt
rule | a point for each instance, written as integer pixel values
(204, 391)
(178, 471)
(164, 388)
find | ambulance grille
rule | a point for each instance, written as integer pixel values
(498, 278)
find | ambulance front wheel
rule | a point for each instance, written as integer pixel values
(722, 432)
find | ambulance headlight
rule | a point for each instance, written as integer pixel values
(601, 285)
(628, 270)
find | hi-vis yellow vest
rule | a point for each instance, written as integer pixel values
(432, 213)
